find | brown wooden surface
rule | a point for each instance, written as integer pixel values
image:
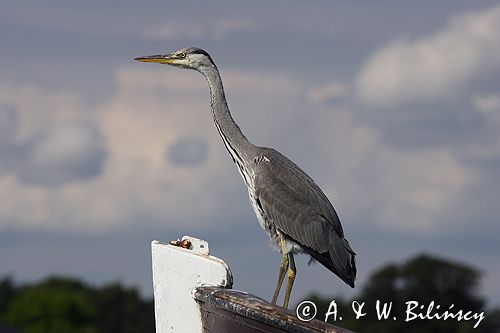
(227, 310)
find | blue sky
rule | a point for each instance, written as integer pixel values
(393, 108)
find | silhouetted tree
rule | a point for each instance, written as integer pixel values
(122, 310)
(422, 279)
(67, 305)
(7, 292)
(55, 305)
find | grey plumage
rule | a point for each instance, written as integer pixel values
(298, 208)
(288, 204)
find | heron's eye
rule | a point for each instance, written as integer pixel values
(181, 55)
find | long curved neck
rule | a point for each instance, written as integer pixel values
(240, 149)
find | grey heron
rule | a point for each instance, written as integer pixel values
(290, 207)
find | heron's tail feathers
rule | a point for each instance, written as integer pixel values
(342, 259)
(338, 258)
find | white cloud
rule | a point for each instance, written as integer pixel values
(187, 151)
(374, 183)
(486, 103)
(9, 122)
(323, 93)
(153, 107)
(38, 110)
(70, 152)
(434, 66)
(46, 141)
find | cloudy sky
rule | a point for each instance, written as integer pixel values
(393, 108)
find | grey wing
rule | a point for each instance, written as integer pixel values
(299, 209)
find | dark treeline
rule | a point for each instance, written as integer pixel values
(59, 304)
(423, 279)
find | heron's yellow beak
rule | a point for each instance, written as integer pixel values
(160, 58)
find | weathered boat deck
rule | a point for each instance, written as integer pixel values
(228, 310)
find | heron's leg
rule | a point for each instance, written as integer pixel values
(292, 271)
(283, 269)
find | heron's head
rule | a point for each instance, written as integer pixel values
(190, 57)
